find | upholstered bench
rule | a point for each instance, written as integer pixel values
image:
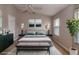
(33, 46)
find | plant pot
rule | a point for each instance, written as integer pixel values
(73, 51)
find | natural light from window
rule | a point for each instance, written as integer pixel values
(0, 22)
(76, 16)
(56, 26)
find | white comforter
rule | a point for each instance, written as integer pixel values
(31, 39)
(35, 39)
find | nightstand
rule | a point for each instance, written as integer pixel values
(49, 35)
(21, 35)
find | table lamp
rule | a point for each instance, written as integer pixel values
(22, 27)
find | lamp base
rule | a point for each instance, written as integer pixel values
(22, 32)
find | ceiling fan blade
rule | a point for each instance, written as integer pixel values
(28, 8)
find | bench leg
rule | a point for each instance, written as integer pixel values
(49, 50)
(16, 51)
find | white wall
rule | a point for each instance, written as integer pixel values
(9, 10)
(64, 38)
(24, 17)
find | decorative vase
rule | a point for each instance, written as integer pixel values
(73, 51)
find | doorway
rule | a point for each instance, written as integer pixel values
(11, 24)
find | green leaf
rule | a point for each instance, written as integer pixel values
(73, 25)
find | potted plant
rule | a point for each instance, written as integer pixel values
(73, 26)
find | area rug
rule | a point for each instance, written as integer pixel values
(53, 51)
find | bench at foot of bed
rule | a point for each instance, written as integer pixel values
(33, 47)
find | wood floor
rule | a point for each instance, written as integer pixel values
(8, 49)
(61, 49)
(56, 45)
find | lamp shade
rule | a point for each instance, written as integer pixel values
(47, 26)
(22, 25)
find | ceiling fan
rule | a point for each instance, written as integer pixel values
(28, 8)
(31, 9)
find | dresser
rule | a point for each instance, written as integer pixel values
(5, 41)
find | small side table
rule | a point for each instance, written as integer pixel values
(21, 35)
(49, 35)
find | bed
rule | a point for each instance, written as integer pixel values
(34, 42)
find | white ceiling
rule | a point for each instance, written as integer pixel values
(44, 9)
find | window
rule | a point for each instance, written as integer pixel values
(38, 25)
(38, 22)
(31, 23)
(0, 22)
(76, 16)
(56, 26)
(35, 22)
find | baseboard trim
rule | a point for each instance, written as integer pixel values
(62, 46)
